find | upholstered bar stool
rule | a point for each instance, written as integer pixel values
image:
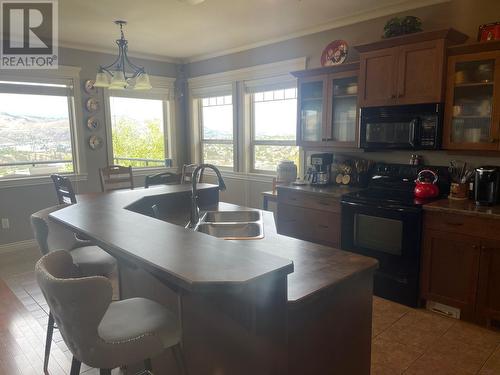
(90, 260)
(98, 332)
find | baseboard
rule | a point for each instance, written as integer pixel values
(17, 246)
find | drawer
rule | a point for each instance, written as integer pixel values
(316, 226)
(301, 199)
(462, 224)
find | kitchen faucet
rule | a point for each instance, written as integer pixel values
(195, 211)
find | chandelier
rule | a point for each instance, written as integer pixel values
(122, 73)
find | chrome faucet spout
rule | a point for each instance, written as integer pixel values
(195, 211)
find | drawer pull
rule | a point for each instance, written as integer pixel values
(454, 224)
(323, 226)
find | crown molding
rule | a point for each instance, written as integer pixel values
(113, 51)
(365, 15)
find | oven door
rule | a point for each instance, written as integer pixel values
(391, 234)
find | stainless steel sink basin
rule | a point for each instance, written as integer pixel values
(233, 231)
(231, 216)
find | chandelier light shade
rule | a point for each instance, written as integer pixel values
(122, 73)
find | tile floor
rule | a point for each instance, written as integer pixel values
(405, 340)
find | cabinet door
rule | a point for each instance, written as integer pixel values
(378, 77)
(488, 296)
(420, 76)
(450, 266)
(312, 111)
(342, 124)
(311, 225)
(472, 113)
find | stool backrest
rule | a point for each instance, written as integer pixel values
(116, 177)
(78, 304)
(50, 235)
(64, 189)
(165, 178)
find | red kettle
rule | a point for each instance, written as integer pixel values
(424, 188)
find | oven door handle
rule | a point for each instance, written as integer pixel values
(385, 208)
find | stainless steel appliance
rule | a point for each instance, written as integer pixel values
(486, 186)
(408, 127)
(319, 173)
(384, 221)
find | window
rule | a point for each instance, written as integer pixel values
(138, 128)
(216, 121)
(273, 128)
(36, 132)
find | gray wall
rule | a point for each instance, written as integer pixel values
(19, 202)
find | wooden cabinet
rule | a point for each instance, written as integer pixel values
(472, 112)
(452, 265)
(405, 70)
(461, 264)
(327, 112)
(309, 217)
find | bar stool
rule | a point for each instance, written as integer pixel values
(91, 260)
(64, 189)
(187, 171)
(116, 177)
(101, 333)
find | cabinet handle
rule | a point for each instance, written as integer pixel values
(475, 247)
(323, 226)
(493, 140)
(324, 203)
(392, 96)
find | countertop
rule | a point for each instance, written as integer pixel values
(196, 261)
(464, 207)
(333, 191)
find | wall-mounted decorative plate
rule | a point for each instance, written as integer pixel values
(92, 123)
(89, 87)
(95, 142)
(335, 53)
(92, 105)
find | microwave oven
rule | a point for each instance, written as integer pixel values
(408, 127)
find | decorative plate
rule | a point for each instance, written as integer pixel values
(92, 105)
(95, 142)
(89, 87)
(335, 53)
(92, 123)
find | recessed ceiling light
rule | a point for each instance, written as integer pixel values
(192, 2)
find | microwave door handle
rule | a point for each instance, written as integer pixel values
(413, 131)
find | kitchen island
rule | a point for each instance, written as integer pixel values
(277, 305)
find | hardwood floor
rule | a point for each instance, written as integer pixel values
(405, 340)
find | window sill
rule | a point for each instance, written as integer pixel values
(259, 177)
(37, 180)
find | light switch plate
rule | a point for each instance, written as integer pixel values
(5, 223)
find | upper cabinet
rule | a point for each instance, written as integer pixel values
(405, 70)
(327, 106)
(472, 113)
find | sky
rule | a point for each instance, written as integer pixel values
(34, 105)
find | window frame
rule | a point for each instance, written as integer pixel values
(163, 89)
(251, 118)
(68, 75)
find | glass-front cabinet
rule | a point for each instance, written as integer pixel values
(472, 115)
(327, 109)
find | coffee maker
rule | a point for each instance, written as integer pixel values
(486, 185)
(319, 172)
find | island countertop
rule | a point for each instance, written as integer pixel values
(196, 261)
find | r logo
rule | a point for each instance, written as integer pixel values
(29, 29)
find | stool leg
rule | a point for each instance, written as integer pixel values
(75, 367)
(48, 342)
(105, 371)
(147, 365)
(179, 359)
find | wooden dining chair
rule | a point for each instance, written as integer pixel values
(64, 189)
(187, 172)
(116, 177)
(165, 178)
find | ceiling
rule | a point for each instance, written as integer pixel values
(172, 30)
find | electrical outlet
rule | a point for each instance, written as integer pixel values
(5, 223)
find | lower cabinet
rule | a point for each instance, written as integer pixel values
(462, 270)
(296, 218)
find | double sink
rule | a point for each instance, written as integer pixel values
(232, 225)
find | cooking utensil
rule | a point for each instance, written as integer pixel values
(425, 189)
